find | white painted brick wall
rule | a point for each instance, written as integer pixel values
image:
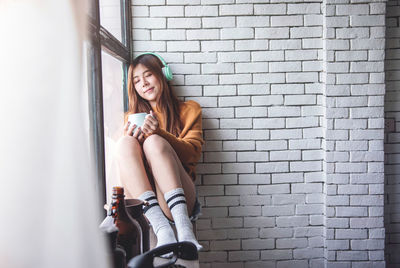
(392, 136)
(292, 96)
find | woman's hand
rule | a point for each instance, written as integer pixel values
(150, 124)
(134, 131)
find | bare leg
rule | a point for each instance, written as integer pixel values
(136, 182)
(168, 172)
(172, 184)
(133, 173)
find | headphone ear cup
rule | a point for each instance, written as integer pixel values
(167, 72)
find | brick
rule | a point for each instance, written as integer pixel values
(278, 111)
(203, 34)
(268, 55)
(254, 179)
(365, 200)
(269, 123)
(292, 221)
(272, 167)
(294, 20)
(219, 157)
(234, 56)
(301, 55)
(305, 144)
(312, 8)
(204, 101)
(166, 11)
(238, 9)
(291, 243)
(238, 145)
(238, 168)
(287, 178)
(269, 78)
(245, 211)
(253, 134)
(278, 67)
(285, 155)
(221, 134)
(234, 101)
(251, 45)
(300, 100)
(337, 223)
(368, 20)
(358, 44)
(276, 254)
(217, 68)
(181, 23)
(255, 90)
(275, 33)
(219, 91)
(306, 188)
(251, 244)
(259, 222)
(304, 77)
(222, 201)
(313, 20)
(306, 32)
(285, 44)
(371, 222)
(214, 256)
(217, 45)
(218, 22)
(225, 245)
(337, 21)
(243, 255)
(237, 33)
(270, 9)
(352, 255)
(201, 11)
(309, 209)
(232, 79)
(146, 23)
(287, 89)
(305, 166)
(252, 21)
(250, 200)
(351, 233)
(254, 67)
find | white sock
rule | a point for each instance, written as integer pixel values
(177, 204)
(157, 219)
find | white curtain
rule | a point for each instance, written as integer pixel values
(49, 207)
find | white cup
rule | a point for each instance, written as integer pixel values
(137, 119)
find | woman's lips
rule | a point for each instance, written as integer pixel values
(149, 90)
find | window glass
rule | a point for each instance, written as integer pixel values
(113, 109)
(110, 17)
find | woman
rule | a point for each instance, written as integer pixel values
(157, 160)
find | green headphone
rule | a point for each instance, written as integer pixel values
(166, 70)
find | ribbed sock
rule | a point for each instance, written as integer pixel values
(157, 219)
(177, 204)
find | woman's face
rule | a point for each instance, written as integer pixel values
(146, 84)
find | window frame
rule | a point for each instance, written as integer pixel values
(102, 40)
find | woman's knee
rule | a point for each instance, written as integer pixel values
(155, 144)
(128, 147)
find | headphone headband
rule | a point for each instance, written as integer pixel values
(166, 70)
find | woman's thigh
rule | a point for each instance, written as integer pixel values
(185, 180)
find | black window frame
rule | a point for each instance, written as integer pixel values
(102, 40)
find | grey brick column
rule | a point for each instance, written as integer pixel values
(354, 43)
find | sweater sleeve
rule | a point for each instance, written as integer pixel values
(188, 144)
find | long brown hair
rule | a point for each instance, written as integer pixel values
(168, 103)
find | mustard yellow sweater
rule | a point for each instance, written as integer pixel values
(189, 142)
